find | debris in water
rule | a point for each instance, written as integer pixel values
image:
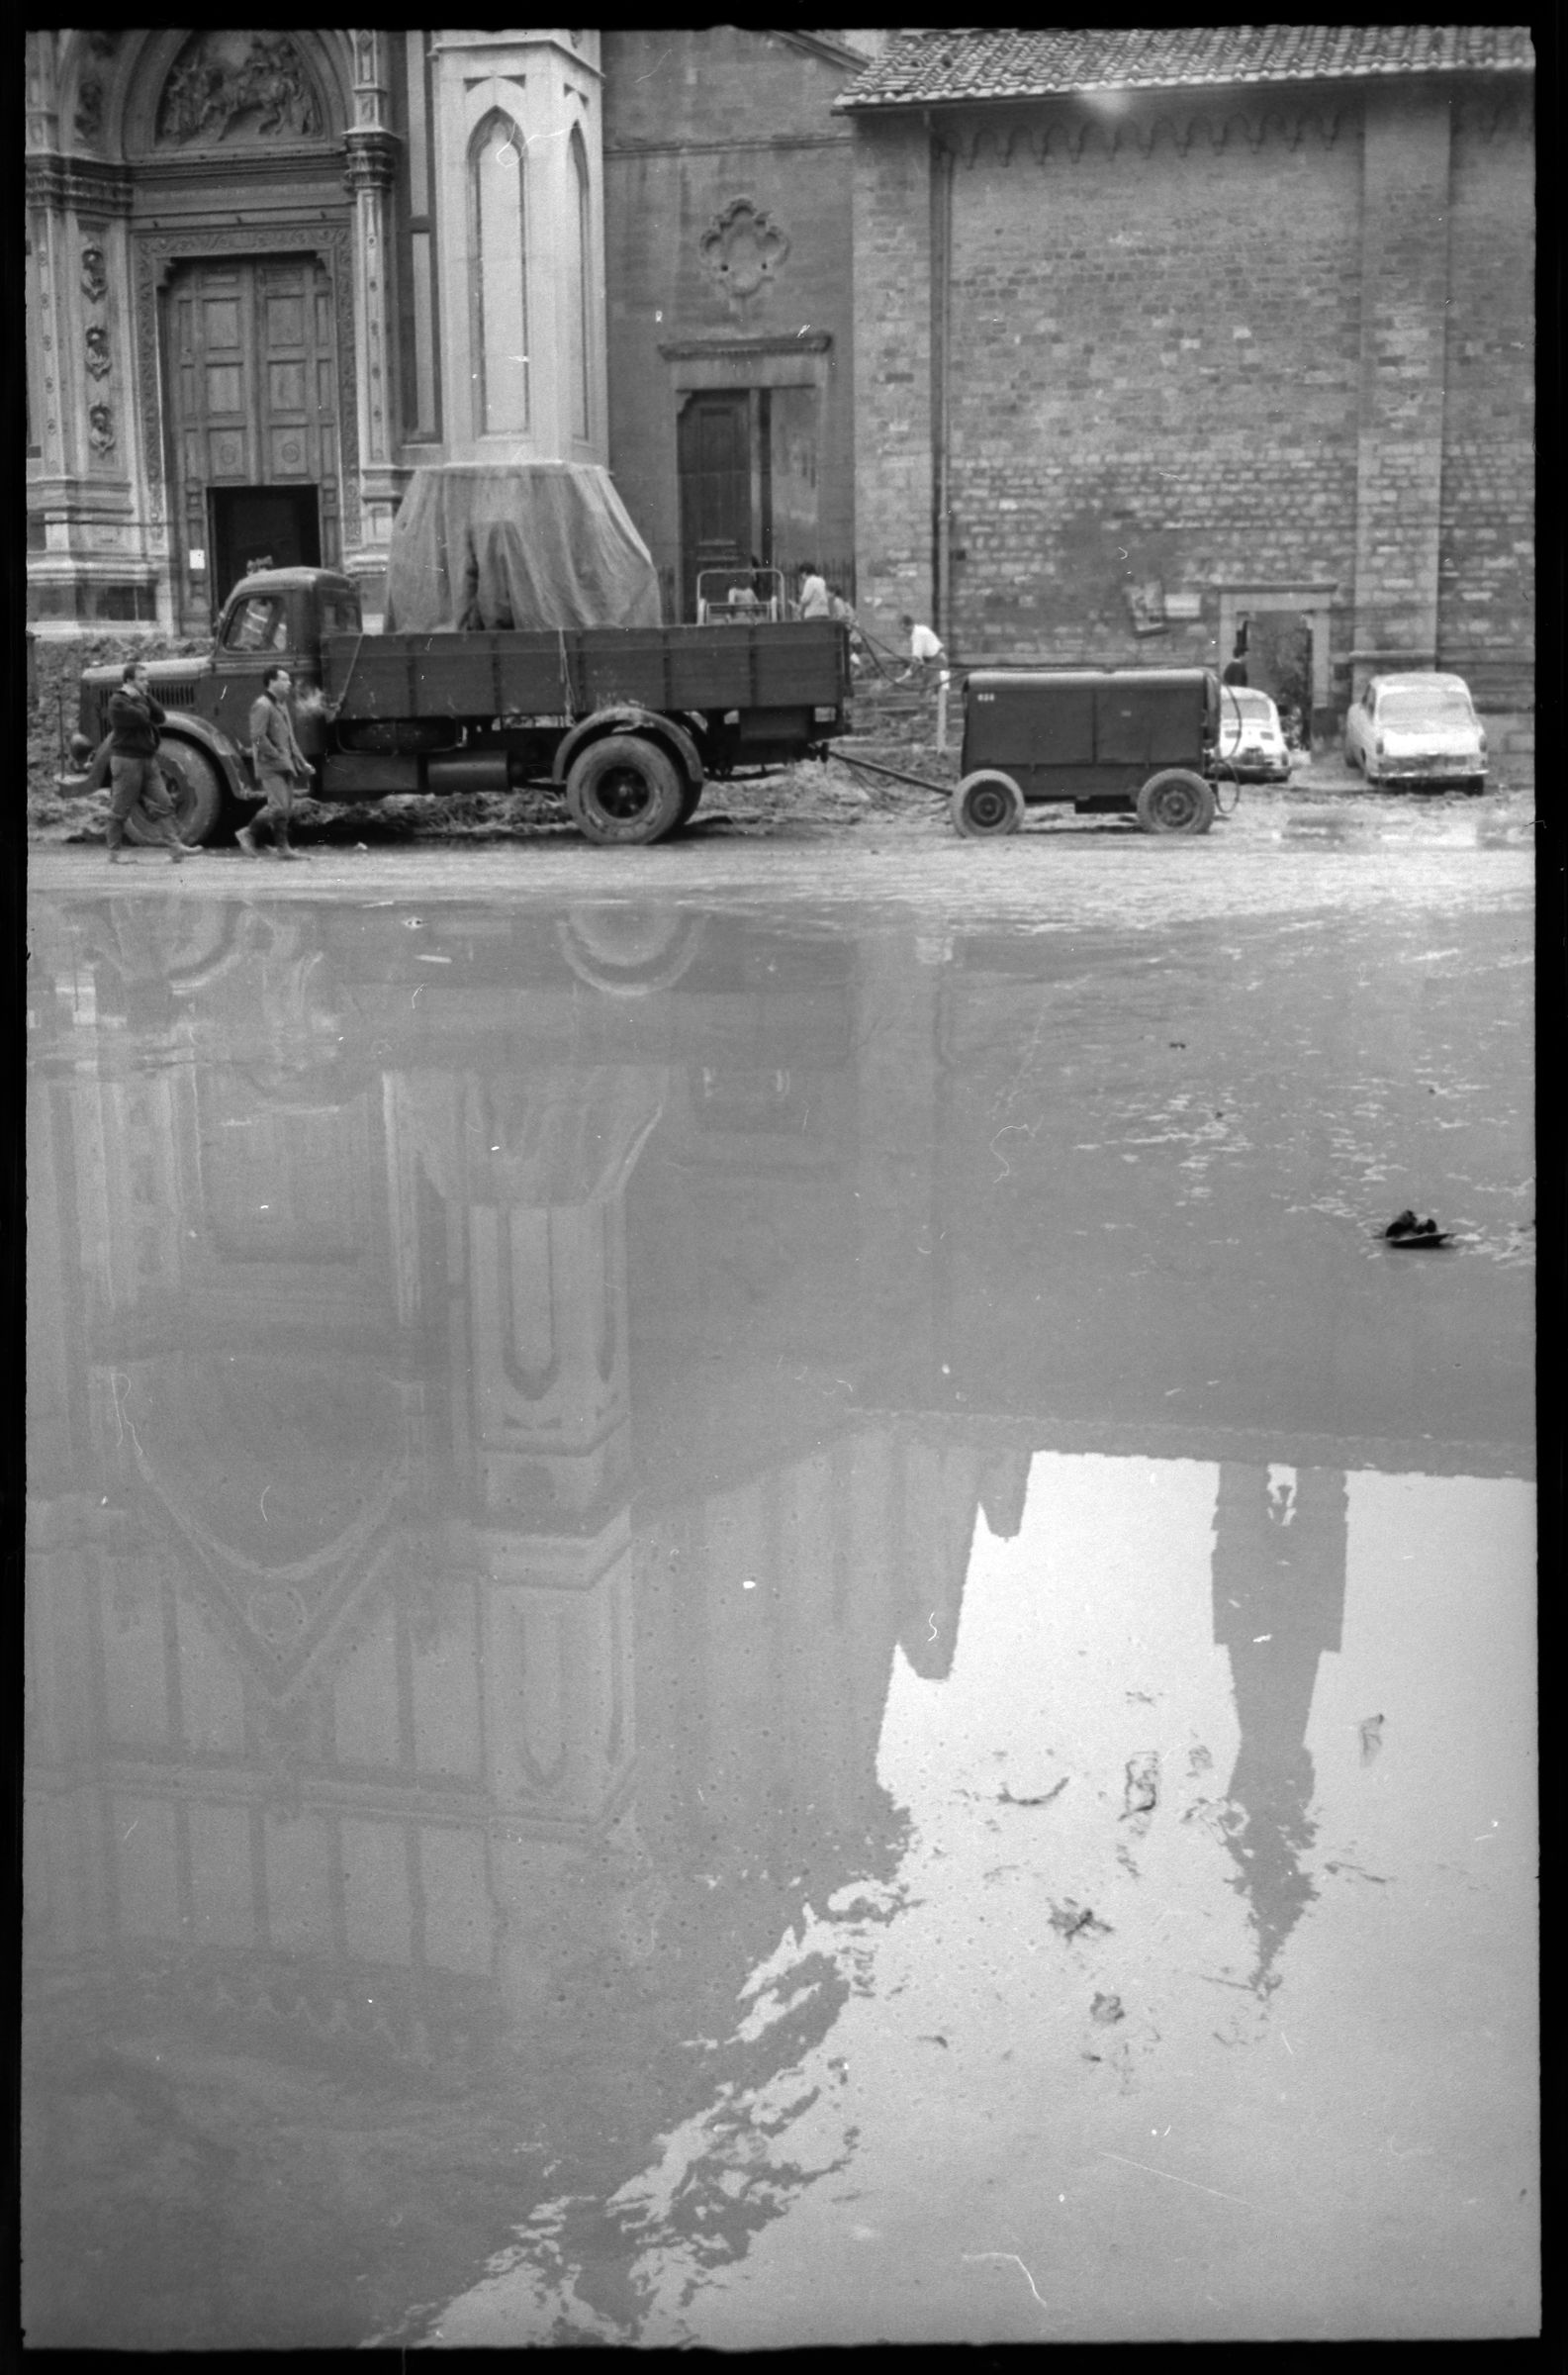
(1405, 1230)
(1143, 1785)
(1371, 1738)
(1107, 2010)
(1005, 1797)
(1073, 1920)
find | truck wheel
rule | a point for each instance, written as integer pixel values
(625, 789)
(690, 793)
(1175, 800)
(198, 791)
(985, 805)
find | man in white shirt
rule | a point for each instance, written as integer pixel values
(815, 601)
(925, 649)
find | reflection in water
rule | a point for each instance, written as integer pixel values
(505, 1398)
(1279, 1555)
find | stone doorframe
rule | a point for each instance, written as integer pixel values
(156, 255)
(1313, 596)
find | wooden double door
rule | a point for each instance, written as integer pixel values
(252, 378)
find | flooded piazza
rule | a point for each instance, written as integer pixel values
(758, 1618)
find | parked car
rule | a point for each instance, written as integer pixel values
(1252, 738)
(1417, 728)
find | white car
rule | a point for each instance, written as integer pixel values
(1252, 738)
(1420, 729)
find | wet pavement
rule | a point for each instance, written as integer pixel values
(757, 1615)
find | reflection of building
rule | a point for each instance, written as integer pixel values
(505, 1389)
(396, 1699)
(1280, 1558)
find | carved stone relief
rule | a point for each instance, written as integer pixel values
(89, 116)
(741, 250)
(95, 275)
(96, 341)
(99, 429)
(242, 86)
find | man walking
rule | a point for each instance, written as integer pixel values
(135, 777)
(280, 768)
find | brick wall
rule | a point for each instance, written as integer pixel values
(692, 120)
(1154, 378)
(1208, 345)
(892, 374)
(1486, 547)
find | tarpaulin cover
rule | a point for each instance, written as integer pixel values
(527, 544)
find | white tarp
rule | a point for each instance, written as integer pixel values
(529, 544)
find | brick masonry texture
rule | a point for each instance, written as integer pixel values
(1168, 364)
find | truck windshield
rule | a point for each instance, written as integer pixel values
(259, 623)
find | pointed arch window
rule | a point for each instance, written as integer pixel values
(581, 291)
(498, 261)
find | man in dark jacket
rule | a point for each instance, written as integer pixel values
(135, 776)
(281, 767)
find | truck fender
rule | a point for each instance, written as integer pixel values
(658, 728)
(180, 730)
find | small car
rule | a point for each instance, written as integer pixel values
(1417, 728)
(1252, 738)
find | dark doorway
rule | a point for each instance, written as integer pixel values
(268, 527)
(724, 460)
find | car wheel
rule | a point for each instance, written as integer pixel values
(197, 790)
(987, 804)
(1175, 801)
(625, 789)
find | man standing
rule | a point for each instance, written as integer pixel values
(280, 768)
(815, 601)
(135, 775)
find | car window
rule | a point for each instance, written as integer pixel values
(340, 615)
(259, 623)
(1400, 708)
(1254, 705)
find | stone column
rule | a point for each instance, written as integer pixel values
(1403, 300)
(370, 171)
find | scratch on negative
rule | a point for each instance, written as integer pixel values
(1018, 2263)
(1175, 2179)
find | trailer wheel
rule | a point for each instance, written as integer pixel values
(1175, 801)
(198, 793)
(987, 804)
(624, 789)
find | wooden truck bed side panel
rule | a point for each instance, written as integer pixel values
(499, 675)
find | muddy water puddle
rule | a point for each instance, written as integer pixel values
(774, 1624)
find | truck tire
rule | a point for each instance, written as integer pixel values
(198, 791)
(987, 804)
(690, 793)
(1175, 800)
(625, 789)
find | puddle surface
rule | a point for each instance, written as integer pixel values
(776, 1627)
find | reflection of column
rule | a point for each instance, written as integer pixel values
(1279, 1560)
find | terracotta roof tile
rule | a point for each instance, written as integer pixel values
(922, 68)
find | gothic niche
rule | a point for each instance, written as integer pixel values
(90, 89)
(99, 429)
(250, 85)
(741, 250)
(96, 341)
(95, 275)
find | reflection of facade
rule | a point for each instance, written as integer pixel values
(502, 1392)
(394, 1698)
